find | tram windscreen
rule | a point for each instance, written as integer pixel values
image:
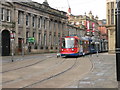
(68, 42)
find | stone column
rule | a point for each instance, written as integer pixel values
(31, 26)
(24, 34)
(42, 33)
(52, 35)
(24, 28)
(60, 30)
(48, 30)
(56, 40)
(16, 28)
(36, 36)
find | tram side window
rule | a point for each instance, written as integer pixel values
(93, 46)
(63, 43)
(76, 43)
(81, 42)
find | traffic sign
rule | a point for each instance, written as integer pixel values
(31, 39)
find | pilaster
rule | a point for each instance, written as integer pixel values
(24, 27)
(16, 27)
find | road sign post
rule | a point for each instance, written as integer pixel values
(12, 37)
(97, 48)
(30, 41)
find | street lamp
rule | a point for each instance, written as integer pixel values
(118, 40)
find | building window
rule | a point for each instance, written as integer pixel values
(108, 11)
(112, 19)
(44, 22)
(39, 38)
(112, 11)
(33, 22)
(45, 41)
(55, 39)
(2, 14)
(112, 16)
(112, 4)
(27, 20)
(33, 34)
(8, 15)
(107, 5)
(40, 22)
(20, 17)
(108, 19)
(27, 36)
(49, 25)
(50, 39)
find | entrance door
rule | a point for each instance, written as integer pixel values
(5, 43)
(19, 45)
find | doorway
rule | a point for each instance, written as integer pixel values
(5, 43)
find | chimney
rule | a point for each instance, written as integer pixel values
(46, 3)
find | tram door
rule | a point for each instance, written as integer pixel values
(5, 43)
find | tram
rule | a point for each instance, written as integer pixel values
(75, 46)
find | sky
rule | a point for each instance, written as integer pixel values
(79, 7)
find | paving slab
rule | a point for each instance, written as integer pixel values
(103, 74)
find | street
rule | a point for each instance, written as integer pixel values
(44, 71)
(48, 71)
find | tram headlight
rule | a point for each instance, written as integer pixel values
(72, 49)
(62, 50)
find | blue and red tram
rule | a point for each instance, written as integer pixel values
(75, 46)
(70, 46)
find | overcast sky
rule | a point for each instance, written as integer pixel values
(79, 7)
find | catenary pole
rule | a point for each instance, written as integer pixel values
(118, 40)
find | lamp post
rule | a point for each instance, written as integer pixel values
(118, 40)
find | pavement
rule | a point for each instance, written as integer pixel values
(103, 74)
(8, 59)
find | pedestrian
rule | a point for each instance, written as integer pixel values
(29, 48)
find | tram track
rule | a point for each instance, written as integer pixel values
(29, 65)
(51, 77)
(67, 78)
(57, 63)
(52, 73)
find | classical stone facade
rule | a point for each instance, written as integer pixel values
(110, 7)
(23, 21)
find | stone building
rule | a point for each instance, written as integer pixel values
(23, 21)
(110, 15)
(31, 27)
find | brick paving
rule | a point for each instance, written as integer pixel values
(103, 74)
